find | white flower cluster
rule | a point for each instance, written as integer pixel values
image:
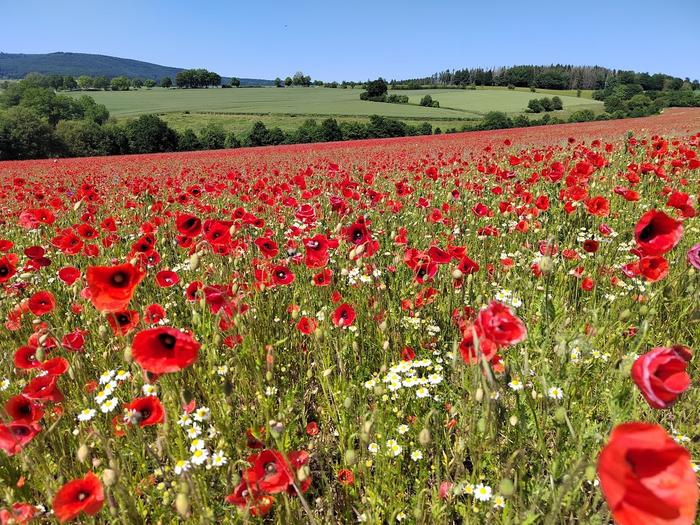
(105, 398)
(422, 375)
(191, 423)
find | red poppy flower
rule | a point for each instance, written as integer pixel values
(598, 206)
(646, 477)
(55, 367)
(272, 473)
(188, 225)
(282, 276)
(42, 303)
(7, 269)
(468, 346)
(346, 477)
(14, 436)
(21, 408)
(247, 498)
(267, 247)
(25, 357)
(307, 325)
(146, 411)
(590, 246)
(123, 322)
(154, 314)
(111, 287)
(657, 233)
(661, 374)
(344, 315)
(74, 341)
(653, 267)
(43, 388)
(323, 278)
(500, 325)
(312, 428)
(69, 274)
(18, 514)
(164, 349)
(79, 495)
(167, 278)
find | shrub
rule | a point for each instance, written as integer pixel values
(496, 120)
(583, 115)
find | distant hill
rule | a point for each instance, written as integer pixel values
(18, 65)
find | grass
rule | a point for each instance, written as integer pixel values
(236, 108)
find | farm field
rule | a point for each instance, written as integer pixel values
(288, 107)
(486, 328)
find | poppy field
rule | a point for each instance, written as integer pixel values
(493, 327)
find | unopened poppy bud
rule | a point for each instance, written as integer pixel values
(355, 347)
(39, 354)
(196, 318)
(479, 394)
(590, 473)
(385, 345)
(83, 453)
(182, 505)
(102, 330)
(457, 273)
(560, 414)
(268, 376)
(424, 437)
(127, 354)
(303, 473)
(276, 428)
(350, 457)
(194, 262)
(109, 477)
(513, 420)
(295, 314)
(625, 314)
(481, 425)
(382, 326)
(506, 487)
(367, 426)
(347, 402)
(134, 261)
(546, 264)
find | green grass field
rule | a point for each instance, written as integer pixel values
(236, 109)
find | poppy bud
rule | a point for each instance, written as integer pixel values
(506, 487)
(102, 331)
(385, 345)
(457, 273)
(513, 420)
(194, 262)
(481, 425)
(560, 414)
(127, 355)
(182, 505)
(625, 314)
(303, 473)
(382, 326)
(350, 457)
(347, 402)
(424, 437)
(83, 453)
(109, 477)
(39, 354)
(479, 395)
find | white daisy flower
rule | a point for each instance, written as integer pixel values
(482, 492)
(87, 414)
(199, 456)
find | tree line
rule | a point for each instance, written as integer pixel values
(544, 77)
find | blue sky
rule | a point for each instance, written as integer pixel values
(348, 39)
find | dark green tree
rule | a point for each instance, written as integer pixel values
(150, 134)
